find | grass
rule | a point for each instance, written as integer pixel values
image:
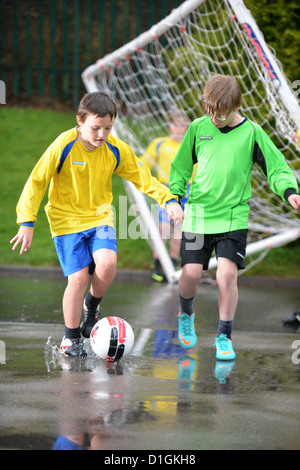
(24, 135)
(283, 262)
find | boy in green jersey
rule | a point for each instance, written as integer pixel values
(225, 147)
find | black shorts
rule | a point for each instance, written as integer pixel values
(197, 248)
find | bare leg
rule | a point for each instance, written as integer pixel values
(73, 297)
(189, 280)
(105, 271)
(164, 231)
(228, 289)
(175, 242)
(167, 231)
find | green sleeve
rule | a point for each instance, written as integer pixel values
(183, 164)
(273, 164)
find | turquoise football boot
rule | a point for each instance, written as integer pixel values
(224, 349)
(186, 330)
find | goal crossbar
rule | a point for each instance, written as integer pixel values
(141, 41)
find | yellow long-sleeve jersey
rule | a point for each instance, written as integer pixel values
(159, 156)
(80, 192)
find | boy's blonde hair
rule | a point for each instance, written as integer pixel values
(221, 95)
(97, 103)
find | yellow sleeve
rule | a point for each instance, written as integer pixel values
(150, 155)
(36, 185)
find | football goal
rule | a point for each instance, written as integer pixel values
(166, 68)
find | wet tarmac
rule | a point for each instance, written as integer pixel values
(159, 397)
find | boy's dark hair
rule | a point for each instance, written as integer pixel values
(97, 103)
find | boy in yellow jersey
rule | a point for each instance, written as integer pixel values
(158, 157)
(79, 166)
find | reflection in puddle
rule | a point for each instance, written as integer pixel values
(150, 398)
(121, 395)
(104, 389)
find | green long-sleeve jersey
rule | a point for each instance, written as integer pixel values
(221, 188)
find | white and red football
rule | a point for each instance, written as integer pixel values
(112, 338)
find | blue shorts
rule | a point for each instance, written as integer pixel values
(75, 250)
(63, 443)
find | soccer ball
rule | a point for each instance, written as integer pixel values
(112, 338)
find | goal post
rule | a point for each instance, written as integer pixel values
(269, 62)
(166, 68)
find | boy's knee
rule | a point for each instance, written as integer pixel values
(191, 273)
(106, 269)
(106, 261)
(80, 279)
(226, 279)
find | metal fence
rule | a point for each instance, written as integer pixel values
(45, 45)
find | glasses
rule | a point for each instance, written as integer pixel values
(219, 118)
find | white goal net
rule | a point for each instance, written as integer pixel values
(166, 68)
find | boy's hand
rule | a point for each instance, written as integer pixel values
(294, 200)
(175, 213)
(23, 236)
